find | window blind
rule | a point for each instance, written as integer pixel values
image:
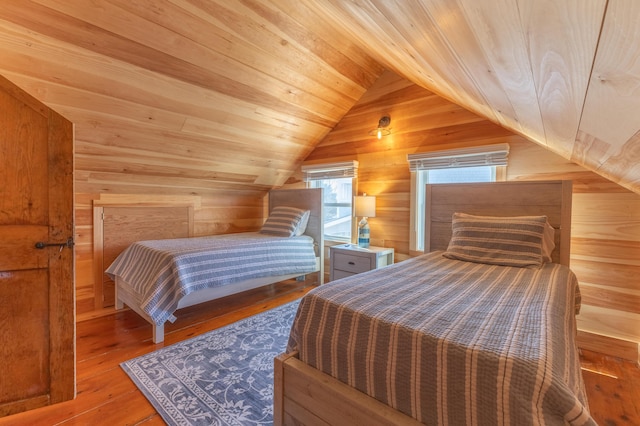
(346, 169)
(488, 155)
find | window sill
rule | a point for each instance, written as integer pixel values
(336, 241)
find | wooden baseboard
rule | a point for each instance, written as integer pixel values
(618, 348)
(98, 313)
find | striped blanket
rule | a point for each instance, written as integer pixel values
(161, 272)
(452, 342)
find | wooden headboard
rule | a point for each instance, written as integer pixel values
(525, 198)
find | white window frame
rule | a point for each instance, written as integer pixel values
(495, 156)
(313, 173)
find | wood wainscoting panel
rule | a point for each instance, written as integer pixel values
(117, 226)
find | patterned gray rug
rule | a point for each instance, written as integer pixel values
(224, 377)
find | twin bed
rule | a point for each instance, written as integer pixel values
(157, 277)
(480, 330)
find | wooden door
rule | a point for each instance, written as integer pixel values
(37, 324)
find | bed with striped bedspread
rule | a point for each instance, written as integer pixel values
(161, 272)
(452, 342)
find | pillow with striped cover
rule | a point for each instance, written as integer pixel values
(507, 241)
(302, 225)
(283, 221)
(548, 242)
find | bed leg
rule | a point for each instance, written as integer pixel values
(119, 304)
(278, 389)
(158, 333)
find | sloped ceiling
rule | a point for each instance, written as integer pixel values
(184, 96)
(564, 74)
(202, 94)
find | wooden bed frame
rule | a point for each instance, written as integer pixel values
(308, 199)
(304, 395)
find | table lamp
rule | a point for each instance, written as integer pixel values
(365, 206)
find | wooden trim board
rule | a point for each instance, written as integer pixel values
(618, 348)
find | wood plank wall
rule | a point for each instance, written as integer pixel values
(605, 245)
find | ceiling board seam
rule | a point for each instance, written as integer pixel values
(536, 89)
(590, 81)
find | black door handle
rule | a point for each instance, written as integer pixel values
(69, 243)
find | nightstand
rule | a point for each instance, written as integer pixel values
(349, 259)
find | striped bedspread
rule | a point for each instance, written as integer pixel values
(161, 272)
(452, 342)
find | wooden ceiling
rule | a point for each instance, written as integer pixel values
(200, 95)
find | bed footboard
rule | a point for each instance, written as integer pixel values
(304, 395)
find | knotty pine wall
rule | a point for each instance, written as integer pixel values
(605, 244)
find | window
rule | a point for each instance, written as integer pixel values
(337, 180)
(476, 164)
(337, 207)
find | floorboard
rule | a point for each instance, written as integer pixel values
(106, 395)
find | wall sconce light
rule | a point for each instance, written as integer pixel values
(382, 129)
(365, 206)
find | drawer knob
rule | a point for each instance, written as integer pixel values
(351, 263)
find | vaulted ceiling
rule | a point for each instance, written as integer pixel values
(201, 94)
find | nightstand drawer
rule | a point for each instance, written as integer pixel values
(349, 263)
(349, 259)
(337, 274)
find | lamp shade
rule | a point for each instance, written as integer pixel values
(365, 206)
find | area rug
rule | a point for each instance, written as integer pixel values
(223, 377)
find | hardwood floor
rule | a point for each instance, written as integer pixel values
(613, 389)
(107, 396)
